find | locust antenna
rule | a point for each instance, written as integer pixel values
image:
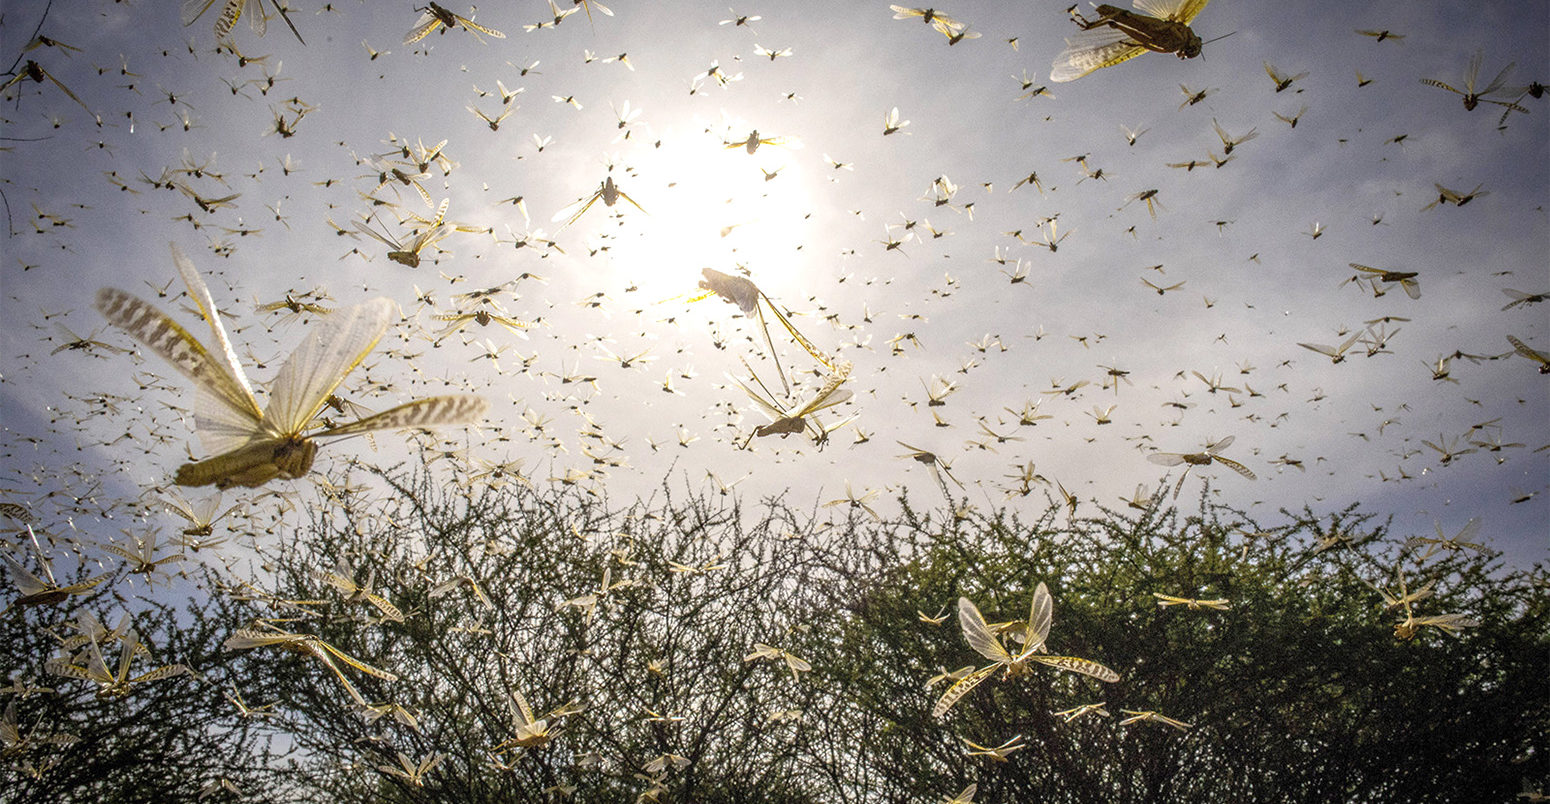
(1217, 39)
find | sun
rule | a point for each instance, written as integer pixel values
(711, 206)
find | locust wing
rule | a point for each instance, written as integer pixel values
(1183, 11)
(1074, 664)
(963, 687)
(330, 352)
(978, 634)
(1041, 614)
(436, 410)
(226, 413)
(1092, 50)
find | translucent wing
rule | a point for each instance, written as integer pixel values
(225, 409)
(200, 293)
(1087, 51)
(527, 711)
(1076, 665)
(1041, 613)
(828, 396)
(1527, 351)
(356, 663)
(453, 409)
(978, 634)
(1235, 466)
(1217, 446)
(26, 583)
(131, 644)
(193, 9)
(63, 667)
(331, 350)
(480, 28)
(579, 212)
(764, 404)
(1498, 81)
(963, 687)
(1470, 530)
(422, 28)
(228, 19)
(1177, 10)
(256, 19)
(1166, 458)
(223, 428)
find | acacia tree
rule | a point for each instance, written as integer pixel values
(633, 625)
(172, 740)
(666, 647)
(1300, 690)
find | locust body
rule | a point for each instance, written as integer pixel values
(1156, 35)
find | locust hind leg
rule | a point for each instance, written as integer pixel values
(1107, 15)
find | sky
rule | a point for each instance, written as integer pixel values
(837, 223)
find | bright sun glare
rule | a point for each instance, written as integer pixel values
(717, 210)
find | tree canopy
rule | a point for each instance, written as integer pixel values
(425, 641)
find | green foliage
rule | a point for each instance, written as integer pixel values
(164, 742)
(1300, 690)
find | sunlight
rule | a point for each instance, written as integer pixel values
(717, 210)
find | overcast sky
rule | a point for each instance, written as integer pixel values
(1358, 168)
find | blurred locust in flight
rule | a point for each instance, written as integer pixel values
(36, 72)
(251, 446)
(1406, 279)
(1193, 459)
(433, 16)
(742, 292)
(1117, 35)
(987, 643)
(607, 191)
(1473, 96)
(232, 12)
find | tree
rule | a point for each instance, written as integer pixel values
(1299, 691)
(426, 638)
(625, 630)
(164, 741)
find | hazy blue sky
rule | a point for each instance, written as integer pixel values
(1361, 163)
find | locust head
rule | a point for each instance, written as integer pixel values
(1191, 47)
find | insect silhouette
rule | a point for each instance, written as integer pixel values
(1199, 459)
(1117, 35)
(1406, 279)
(1446, 196)
(607, 191)
(1137, 715)
(1336, 354)
(742, 292)
(1041, 614)
(112, 684)
(1473, 96)
(232, 12)
(253, 446)
(307, 645)
(35, 71)
(433, 16)
(43, 591)
(1521, 348)
(784, 421)
(1164, 601)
